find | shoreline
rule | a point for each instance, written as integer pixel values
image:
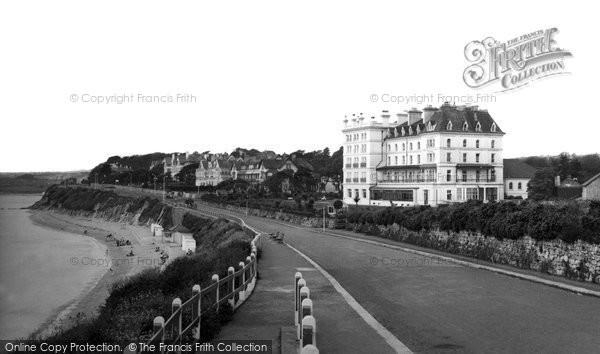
(118, 266)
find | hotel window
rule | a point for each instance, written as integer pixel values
(477, 174)
(364, 193)
(510, 185)
(404, 160)
(411, 146)
(403, 147)
(356, 193)
(448, 143)
(477, 144)
(465, 143)
(476, 157)
(411, 159)
(448, 175)
(493, 176)
(448, 157)
(464, 157)
(349, 193)
(419, 159)
(363, 148)
(395, 160)
(389, 147)
(493, 157)
(418, 145)
(363, 176)
(389, 160)
(519, 186)
(449, 194)
(395, 147)
(464, 176)
(493, 144)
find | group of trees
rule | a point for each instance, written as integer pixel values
(138, 170)
(542, 185)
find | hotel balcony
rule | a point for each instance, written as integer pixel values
(401, 179)
(355, 165)
(348, 165)
(363, 164)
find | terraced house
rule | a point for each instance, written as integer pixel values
(430, 157)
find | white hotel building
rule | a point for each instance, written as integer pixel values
(439, 156)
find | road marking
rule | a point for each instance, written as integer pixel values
(390, 339)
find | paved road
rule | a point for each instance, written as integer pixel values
(436, 307)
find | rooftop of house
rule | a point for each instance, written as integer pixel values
(592, 179)
(515, 168)
(447, 118)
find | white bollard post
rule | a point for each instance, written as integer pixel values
(309, 332)
(231, 286)
(176, 326)
(307, 308)
(197, 309)
(242, 282)
(310, 349)
(215, 279)
(159, 325)
(301, 284)
(297, 277)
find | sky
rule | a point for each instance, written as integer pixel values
(268, 75)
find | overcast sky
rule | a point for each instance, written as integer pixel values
(268, 75)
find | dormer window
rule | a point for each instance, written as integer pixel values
(418, 129)
(465, 126)
(478, 127)
(449, 126)
(410, 131)
(493, 128)
(403, 132)
(429, 126)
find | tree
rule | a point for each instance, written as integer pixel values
(187, 175)
(338, 204)
(541, 186)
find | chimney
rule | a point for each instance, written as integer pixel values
(361, 119)
(354, 120)
(345, 121)
(414, 115)
(428, 113)
(385, 118)
(401, 118)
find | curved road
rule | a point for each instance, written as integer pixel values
(438, 307)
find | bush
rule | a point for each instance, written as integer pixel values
(568, 221)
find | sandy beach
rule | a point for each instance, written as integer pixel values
(115, 261)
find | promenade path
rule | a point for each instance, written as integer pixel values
(428, 305)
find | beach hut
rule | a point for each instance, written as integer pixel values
(188, 243)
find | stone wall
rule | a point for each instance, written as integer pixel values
(579, 260)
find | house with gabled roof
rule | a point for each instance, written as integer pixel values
(517, 175)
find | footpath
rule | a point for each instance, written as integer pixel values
(269, 313)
